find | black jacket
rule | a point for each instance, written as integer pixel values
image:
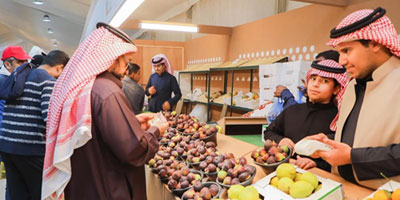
(301, 120)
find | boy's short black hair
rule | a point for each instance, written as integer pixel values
(330, 54)
(133, 68)
(37, 59)
(56, 57)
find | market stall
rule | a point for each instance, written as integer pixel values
(226, 144)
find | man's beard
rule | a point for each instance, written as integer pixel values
(118, 76)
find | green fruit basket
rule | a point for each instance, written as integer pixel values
(269, 168)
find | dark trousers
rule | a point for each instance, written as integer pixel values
(24, 176)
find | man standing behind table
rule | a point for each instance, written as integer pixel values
(161, 84)
(132, 89)
(367, 140)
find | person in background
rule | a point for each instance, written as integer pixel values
(367, 140)
(23, 129)
(12, 57)
(161, 85)
(96, 146)
(132, 89)
(38, 59)
(287, 96)
(324, 80)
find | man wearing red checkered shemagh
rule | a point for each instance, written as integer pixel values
(367, 139)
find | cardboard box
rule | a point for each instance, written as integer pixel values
(288, 74)
(331, 190)
(389, 186)
(241, 125)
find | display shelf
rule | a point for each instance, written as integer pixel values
(221, 77)
(234, 107)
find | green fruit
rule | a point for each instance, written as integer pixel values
(318, 187)
(274, 182)
(197, 177)
(285, 148)
(286, 170)
(301, 189)
(221, 175)
(297, 178)
(234, 191)
(310, 178)
(219, 129)
(152, 162)
(173, 113)
(249, 193)
(284, 184)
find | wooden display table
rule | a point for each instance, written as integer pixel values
(227, 144)
(158, 191)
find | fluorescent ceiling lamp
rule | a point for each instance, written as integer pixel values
(46, 18)
(38, 2)
(125, 11)
(49, 30)
(169, 27)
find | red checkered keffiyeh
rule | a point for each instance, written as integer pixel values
(69, 115)
(381, 31)
(365, 24)
(341, 78)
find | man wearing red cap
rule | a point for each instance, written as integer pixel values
(14, 56)
(367, 140)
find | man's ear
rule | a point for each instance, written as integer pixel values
(336, 90)
(374, 46)
(7, 65)
(60, 68)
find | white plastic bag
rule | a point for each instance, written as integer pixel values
(200, 112)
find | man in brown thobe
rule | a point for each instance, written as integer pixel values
(110, 164)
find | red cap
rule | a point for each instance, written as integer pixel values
(16, 52)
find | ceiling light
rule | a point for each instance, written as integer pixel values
(49, 30)
(38, 2)
(46, 18)
(125, 11)
(169, 27)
